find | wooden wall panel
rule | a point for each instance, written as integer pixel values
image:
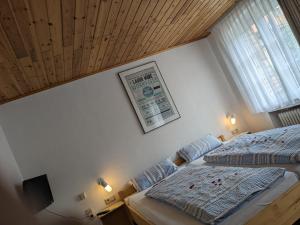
(44, 43)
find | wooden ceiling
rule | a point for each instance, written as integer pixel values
(45, 43)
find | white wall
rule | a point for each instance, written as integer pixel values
(87, 128)
(10, 176)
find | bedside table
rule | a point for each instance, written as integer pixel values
(117, 215)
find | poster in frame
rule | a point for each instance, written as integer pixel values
(149, 96)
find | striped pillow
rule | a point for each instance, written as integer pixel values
(154, 174)
(199, 148)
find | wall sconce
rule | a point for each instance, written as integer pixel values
(232, 118)
(232, 121)
(105, 185)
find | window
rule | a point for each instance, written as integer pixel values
(262, 53)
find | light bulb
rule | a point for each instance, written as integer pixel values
(108, 188)
(104, 184)
(233, 120)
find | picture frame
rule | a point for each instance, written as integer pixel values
(149, 96)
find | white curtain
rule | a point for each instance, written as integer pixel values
(261, 53)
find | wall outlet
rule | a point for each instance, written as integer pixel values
(110, 200)
(89, 213)
(82, 196)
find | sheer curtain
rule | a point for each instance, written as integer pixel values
(262, 54)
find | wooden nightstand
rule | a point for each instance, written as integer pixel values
(117, 215)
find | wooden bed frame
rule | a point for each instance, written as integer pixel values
(285, 210)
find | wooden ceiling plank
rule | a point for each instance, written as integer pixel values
(40, 21)
(104, 10)
(89, 33)
(103, 14)
(8, 54)
(21, 16)
(68, 62)
(151, 25)
(106, 38)
(177, 9)
(167, 26)
(23, 23)
(68, 14)
(11, 29)
(181, 23)
(17, 77)
(184, 11)
(56, 32)
(76, 62)
(196, 29)
(40, 73)
(147, 16)
(81, 8)
(9, 67)
(6, 85)
(38, 63)
(139, 15)
(49, 66)
(110, 25)
(119, 24)
(3, 95)
(39, 12)
(59, 66)
(211, 20)
(22, 82)
(196, 17)
(55, 25)
(124, 30)
(7, 48)
(3, 98)
(28, 68)
(157, 29)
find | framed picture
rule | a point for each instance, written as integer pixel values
(149, 96)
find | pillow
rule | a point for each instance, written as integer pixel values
(154, 174)
(199, 148)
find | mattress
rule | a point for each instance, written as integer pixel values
(160, 213)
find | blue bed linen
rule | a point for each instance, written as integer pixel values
(276, 146)
(198, 148)
(210, 194)
(154, 174)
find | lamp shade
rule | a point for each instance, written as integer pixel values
(104, 184)
(233, 119)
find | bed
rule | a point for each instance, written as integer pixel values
(276, 146)
(283, 198)
(292, 167)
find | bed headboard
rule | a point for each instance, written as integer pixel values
(129, 189)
